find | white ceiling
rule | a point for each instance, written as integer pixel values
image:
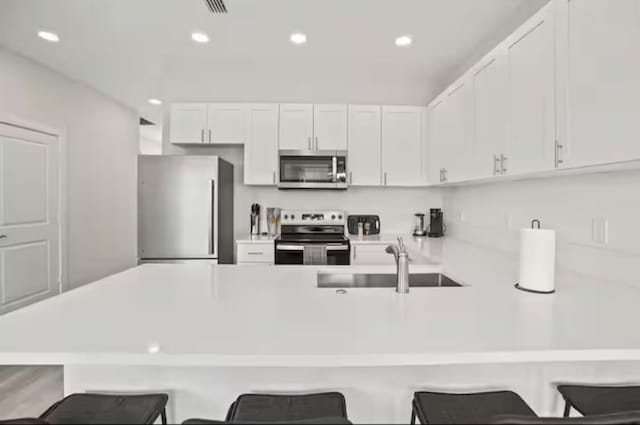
(137, 49)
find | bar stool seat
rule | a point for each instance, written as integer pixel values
(108, 409)
(288, 408)
(318, 421)
(625, 418)
(474, 408)
(600, 400)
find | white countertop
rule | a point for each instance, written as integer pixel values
(258, 239)
(231, 315)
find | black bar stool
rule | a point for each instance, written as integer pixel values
(474, 408)
(600, 400)
(103, 409)
(625, 418)
(329, 408)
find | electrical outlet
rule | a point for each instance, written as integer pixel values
(600, 231)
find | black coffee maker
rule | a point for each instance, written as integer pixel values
(436, 227)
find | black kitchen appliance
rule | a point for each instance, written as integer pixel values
(372, 220)
(436, 228)
(312, 238)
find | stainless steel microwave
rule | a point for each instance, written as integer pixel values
(313, 170)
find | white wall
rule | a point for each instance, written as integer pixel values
(395, 206)
(492, 215)
(102, 143)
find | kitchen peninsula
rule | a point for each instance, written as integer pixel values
(206, 333)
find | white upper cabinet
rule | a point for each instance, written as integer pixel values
(261, 148)
(603, 81)
(458, 121)
(330, 127)
(227, 123)
(364, 159)
(296, 127)
(437, 148)
(490, 82)
(531, 143)
(203, 123)
(188, 123)
(403, 145)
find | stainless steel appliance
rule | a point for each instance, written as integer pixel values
(185, 209)
(420, 228)
(313, 170)
(254, 225)
(312, 238)
(437, 228)
(372, 222)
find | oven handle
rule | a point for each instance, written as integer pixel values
(301, 248)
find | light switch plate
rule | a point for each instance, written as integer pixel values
(600, 231)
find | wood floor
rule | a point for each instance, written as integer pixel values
(27, 391)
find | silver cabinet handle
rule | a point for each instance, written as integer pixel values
(3, 236)
(354, 252)
(350, 177)
(503, 167)
(316, 143)
(385, 178)
(202, 136)
(496, 170)
(558, 160)
(255, 253)
(446, 174)
(309, 142)
(209, 136)
(274, 176)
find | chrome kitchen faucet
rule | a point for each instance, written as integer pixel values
(401, 254)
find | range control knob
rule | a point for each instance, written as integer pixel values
(293, 216)
(333, 217)
(340, 217)
(286, 217)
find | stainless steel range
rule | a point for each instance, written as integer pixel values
(313, 238)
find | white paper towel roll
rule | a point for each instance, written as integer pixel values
(537, 260)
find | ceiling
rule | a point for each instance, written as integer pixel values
(134, 50)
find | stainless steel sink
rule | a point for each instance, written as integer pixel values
(370, 280)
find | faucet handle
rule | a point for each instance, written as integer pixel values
(401, 244)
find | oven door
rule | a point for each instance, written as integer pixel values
(293, 253)
(316, 170)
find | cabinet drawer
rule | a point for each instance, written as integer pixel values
(255, 253)
(370, 254)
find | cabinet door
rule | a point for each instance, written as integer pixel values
(330, 127)
(403, 145)
(531, 94)
(364, 159)
(459, 131)
(227, 123)
(188, 123)
(261, 148)
(490, 105)
(296, 127)
(604, 81)
(436, 142)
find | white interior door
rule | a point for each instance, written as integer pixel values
(29, 222)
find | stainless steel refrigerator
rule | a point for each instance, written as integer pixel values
(185, 209)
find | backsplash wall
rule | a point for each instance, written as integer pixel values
(395, 206)
(579, 208)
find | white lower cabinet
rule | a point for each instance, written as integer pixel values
(370, 254)
(403, 145)
(261, 147)
(255, 253)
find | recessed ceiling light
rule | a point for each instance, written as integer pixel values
(298, 38)
(200, 37)
(404, 41)
(49, 36)
(155, 102)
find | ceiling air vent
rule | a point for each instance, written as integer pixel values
(216, 6)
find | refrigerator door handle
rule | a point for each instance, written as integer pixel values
(213, 225)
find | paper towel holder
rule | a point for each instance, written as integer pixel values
(534, 223)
